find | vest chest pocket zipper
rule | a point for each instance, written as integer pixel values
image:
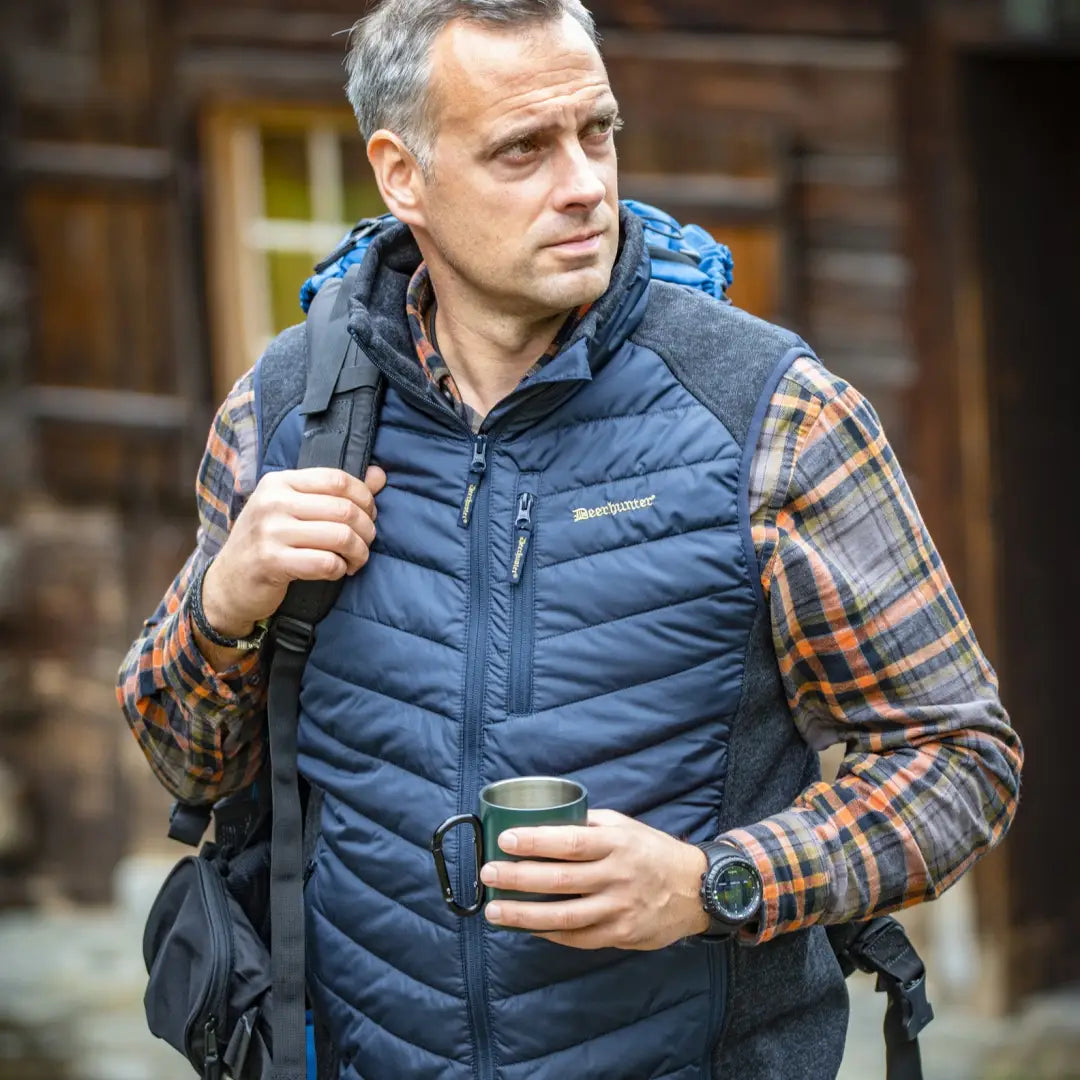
(522, 619)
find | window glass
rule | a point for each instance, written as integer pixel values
(361, 193)
(285, 185)
(285, 181)
(287, 271)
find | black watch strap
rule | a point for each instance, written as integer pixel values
(195, 608)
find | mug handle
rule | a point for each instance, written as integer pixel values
(440, 862)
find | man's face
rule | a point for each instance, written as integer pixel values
(521, 208)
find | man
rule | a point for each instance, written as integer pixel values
(723, 573)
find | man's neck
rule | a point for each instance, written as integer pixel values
(488, 354)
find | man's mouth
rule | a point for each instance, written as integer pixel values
(580, 243)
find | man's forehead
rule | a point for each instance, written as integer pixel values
(487, 78)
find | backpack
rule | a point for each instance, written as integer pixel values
(224, 941)
(680, 254)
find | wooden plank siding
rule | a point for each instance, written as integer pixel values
(780, 131)
(278, 20)
(833, 103)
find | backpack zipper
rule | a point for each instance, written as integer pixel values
(211, 1009)
(211, 1061)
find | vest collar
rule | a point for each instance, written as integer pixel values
(378, 322)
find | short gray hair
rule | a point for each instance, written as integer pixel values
(389, 59)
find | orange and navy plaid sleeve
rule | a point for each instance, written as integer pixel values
(201, 730)
(875, 653)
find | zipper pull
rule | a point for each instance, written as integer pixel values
(523, 524)
(211, 1061)
(476, 476)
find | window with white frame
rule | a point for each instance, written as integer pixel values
(285, 185)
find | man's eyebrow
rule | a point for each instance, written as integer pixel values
(608, 110)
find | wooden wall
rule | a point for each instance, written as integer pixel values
(17, 708)
(991, 254)
(108, 96)
(830, 108)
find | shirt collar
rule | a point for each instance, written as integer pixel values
(420, 307)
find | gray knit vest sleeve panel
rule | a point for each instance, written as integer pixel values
(789, 992)
(726, 358)
(280, 377)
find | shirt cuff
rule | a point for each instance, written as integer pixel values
(199, 687)
(794, 871)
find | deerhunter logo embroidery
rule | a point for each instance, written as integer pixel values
(582, 513)
(519, 555)
(466, 509)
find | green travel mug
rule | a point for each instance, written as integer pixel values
(524, 801)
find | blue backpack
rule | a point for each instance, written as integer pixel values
(682, 254)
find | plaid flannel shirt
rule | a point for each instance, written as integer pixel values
(874, 650)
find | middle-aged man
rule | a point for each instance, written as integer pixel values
(723, 572)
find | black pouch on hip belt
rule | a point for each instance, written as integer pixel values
(206, 948)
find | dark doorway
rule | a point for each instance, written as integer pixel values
(1024, 144)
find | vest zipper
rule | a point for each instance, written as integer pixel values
(475, 478)
(523, 524)
(521, 599)
(476, 503)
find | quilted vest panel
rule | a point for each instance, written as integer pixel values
(620, 640)
(615, 658)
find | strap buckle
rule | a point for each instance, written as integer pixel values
(294, 635)
(915, 1009)
(881, 947)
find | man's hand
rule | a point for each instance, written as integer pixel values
(298, 525)
(634, 887)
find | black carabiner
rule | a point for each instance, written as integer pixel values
(440, 862)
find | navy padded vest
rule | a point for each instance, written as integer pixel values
(611, 647)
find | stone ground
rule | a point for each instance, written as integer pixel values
(71, 986)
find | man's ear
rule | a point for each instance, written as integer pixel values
(398, 174)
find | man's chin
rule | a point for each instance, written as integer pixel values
(572, 289)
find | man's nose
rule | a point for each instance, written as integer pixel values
(579, 182)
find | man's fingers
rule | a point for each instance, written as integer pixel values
(320, 481)
(332, 508)
(591, 938)
(302, 564)
(375, 479)
(330, 536)
(559, 915)
(566, 843)
(566, 879)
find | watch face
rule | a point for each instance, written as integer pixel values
(736, 891)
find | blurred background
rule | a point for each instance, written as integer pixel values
(899, 182)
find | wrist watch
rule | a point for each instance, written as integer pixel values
(730, 889)
(195, 609)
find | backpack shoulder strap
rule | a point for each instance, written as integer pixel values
(341, 406)
(881, 947)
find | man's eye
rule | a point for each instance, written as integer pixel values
(603, 126)
(521, 148)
